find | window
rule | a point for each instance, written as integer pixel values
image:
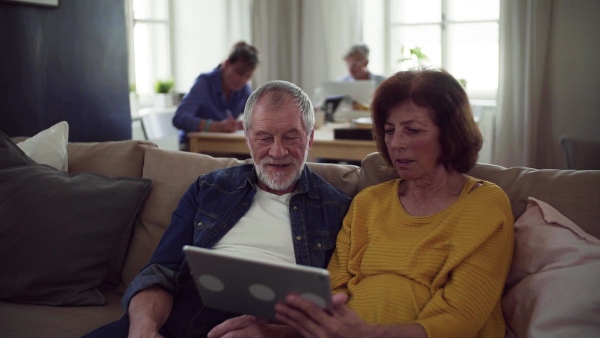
(460, 35)
(150, 43)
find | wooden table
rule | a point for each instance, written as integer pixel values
(324, 145)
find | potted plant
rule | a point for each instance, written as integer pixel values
(413, 57)
(163, 97)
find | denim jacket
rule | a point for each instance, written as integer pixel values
(218, 200)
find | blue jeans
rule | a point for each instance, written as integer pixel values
(189, 318)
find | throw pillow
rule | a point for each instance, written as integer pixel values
(49, 146)
(58, 230)
(552, 287)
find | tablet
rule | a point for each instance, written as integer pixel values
(249, 286)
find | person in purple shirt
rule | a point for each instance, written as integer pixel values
(217, 98)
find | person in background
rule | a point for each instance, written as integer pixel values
(357, 60)
(425, 255)
(275, 209)
(216, 99)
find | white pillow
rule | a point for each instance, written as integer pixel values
(49, 146)
(553, 288)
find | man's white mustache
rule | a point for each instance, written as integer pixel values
(272, 161)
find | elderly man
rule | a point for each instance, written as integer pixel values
(275, 209)
(357, 60)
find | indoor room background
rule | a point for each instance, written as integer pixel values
(77, 62)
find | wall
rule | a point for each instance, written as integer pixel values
(66, 63)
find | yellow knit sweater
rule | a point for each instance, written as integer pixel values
(445, 271)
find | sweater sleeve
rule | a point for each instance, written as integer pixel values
(474, 287)
(338, 265)
(351, 242)
(191, 110)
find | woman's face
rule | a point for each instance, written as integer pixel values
(412, 140)
(236, 75)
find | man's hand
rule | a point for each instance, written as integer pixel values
(148, 311)
(250, 326)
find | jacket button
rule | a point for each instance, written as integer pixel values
(199, 224)
(295, 208)
(318, 245)
(298, 238)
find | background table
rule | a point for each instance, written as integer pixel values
(324, 144)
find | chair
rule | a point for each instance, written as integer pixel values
(158, 127)
(582, 154)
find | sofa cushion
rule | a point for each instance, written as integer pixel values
(49, 146)
(59, 230)
(341, 176)
(113, 159)
(29, 321)
(574, 194)
(552, 290)
(172, 173)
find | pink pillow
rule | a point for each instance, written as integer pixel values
(553, 288)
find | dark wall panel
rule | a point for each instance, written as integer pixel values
(66, 63)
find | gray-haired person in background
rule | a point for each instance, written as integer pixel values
(357, 60)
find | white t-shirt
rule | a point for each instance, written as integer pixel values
(264, 232)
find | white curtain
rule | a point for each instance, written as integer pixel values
(303, 41)
(523, 119)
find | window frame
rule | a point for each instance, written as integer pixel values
(443, 24)
(132, 21)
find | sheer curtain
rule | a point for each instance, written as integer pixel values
(203, 33)
(523, 119)
(303, 41)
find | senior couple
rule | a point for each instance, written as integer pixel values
(425, 255)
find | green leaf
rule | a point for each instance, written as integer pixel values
(163, 86)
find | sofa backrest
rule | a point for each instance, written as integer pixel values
(575, 194)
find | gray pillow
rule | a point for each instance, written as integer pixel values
(57, 230)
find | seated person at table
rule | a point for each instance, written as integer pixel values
(274, 209)
(425, 255)
(357, 60)
(216, 99)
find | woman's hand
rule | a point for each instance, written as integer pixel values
(249, 326)
(312, 321)
(229, 125)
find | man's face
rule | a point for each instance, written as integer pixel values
(278, 143)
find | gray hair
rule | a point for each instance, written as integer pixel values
(276, 93)
(359, 48)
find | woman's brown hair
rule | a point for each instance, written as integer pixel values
(437, 90)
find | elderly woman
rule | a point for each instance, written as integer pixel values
(425, 255)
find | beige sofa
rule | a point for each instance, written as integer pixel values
(576, 194)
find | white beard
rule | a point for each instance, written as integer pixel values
(279, 181)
